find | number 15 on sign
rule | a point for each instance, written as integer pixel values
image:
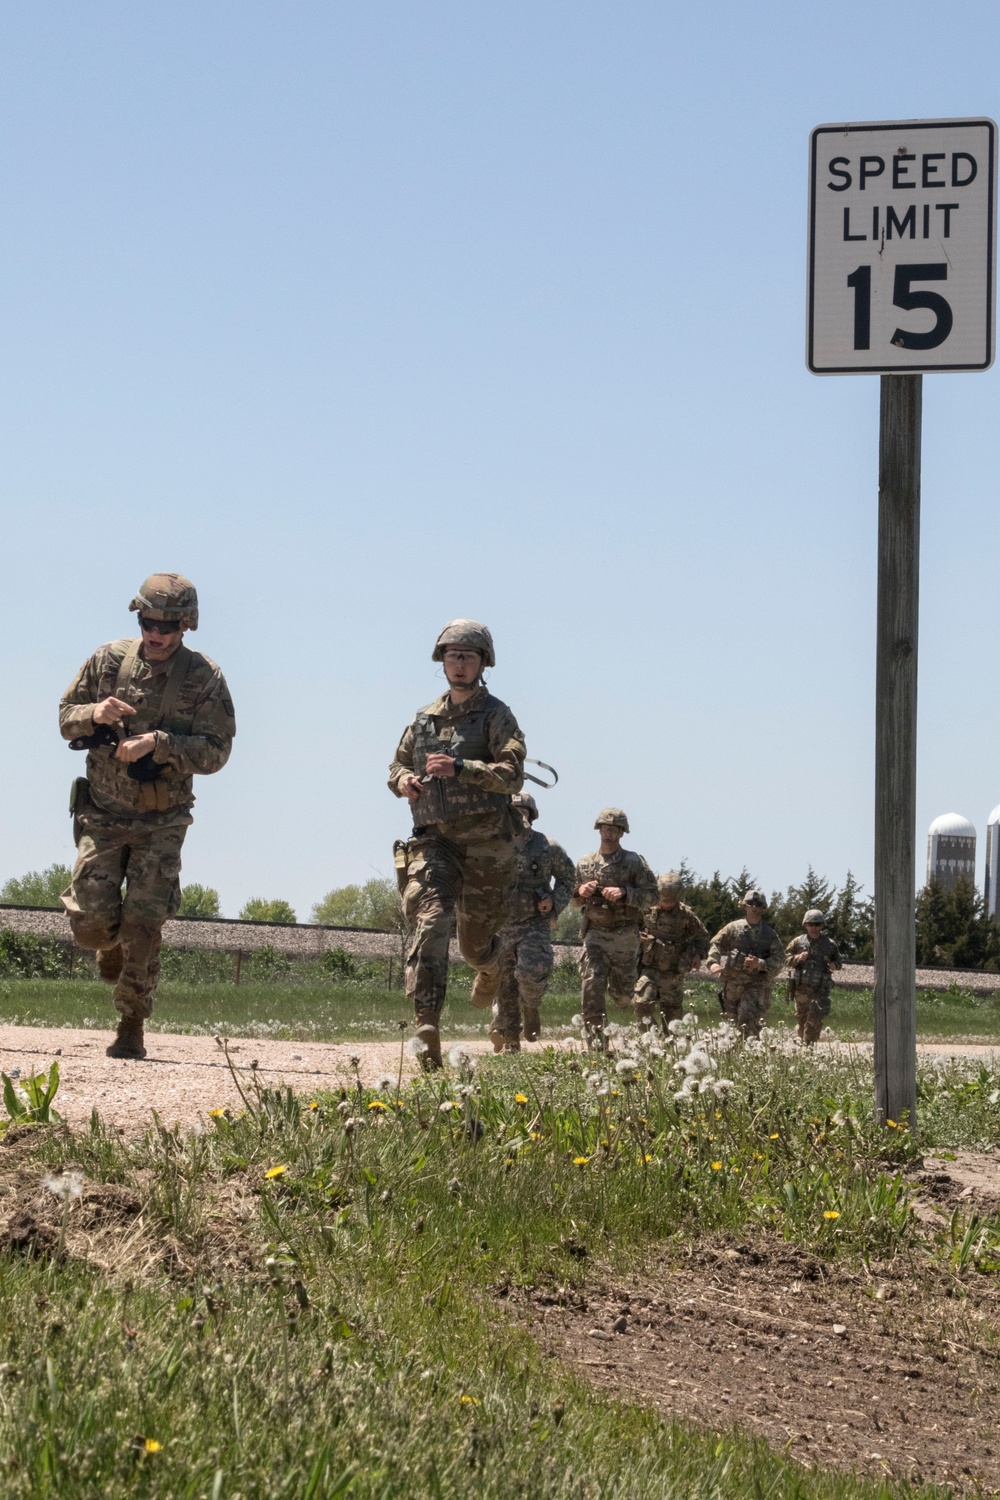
(902, 247)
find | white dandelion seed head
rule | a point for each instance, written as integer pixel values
(66, 1186)
(353, 1123)
(461, 1059)
(676, 1028)
(627, 1065)
(447, 1107)
(344, 1107)
(384, 1083)
(416, 1046)
(724, 1086)
(578, 1022)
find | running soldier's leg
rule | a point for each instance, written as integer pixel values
(433, 880)
(803, 1000)
(152, 894)
(750, 1009)
(623, 952)
(646, 996)
(506, 1023)
(671, 997)
(489, 872)
(595, 968)
(534, 963)
(816, 1014)
(94, 897)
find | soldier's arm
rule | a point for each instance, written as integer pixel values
(580, 877)
(505, 772)
(697, 936)
(76, 707)
(402, 761)
(207, 745)
(794, 948)
(563, 875)
(834, 958)
(640, 888)
(720, 944)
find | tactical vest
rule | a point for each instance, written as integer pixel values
(814, 974)
(667, 942)
(110, 784)
(534, 879)
(443, 800)
(753, 942)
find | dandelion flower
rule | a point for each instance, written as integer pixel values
(892, 1124)
(580, 1161)
(577, 1021)
(314, 1104)
(716, 1166)
(377, 1104)
(831, 1213)
(151, 1446)
(520, 1098)
(275, 1171)
(448, 1106)
(626, 1066)
(416, 1046)
(774, 1137)
(470, 1400)
(67, 1185)
(643, 1158)
(384, 1082)
(461, 1059)
(217, 1114)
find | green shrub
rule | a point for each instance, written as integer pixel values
(37, 888)
(259, 910)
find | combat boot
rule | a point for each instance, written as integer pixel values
(645, 1016)
(129, 1040)
(532, 1022)
(428, 1033)
(512, 1044)
(110, 962)
(484, 988)
(497, 1038)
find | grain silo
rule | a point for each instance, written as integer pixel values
(951, 850)
(992, 887)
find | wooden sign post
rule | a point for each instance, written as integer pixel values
(902, 279)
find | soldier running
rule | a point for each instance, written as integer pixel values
(813, 958)
(545, 879)
(673, 941)
(458, 764)
(614, 886)
(748, 954)
(156, 714)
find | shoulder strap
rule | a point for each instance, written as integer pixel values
(174, 683)
(125, 670)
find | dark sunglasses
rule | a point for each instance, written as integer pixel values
(162, 627)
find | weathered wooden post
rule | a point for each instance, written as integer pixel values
(896, 747)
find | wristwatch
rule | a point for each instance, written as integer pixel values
(459, 764)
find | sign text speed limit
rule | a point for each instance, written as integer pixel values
(902, 231)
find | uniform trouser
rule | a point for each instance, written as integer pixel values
(746, 1004)
(147, 860)
(610, 961)
(663, 988)
(447, 880)
(811, 1009)
(525, 968)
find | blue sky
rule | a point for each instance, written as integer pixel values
(370, 316)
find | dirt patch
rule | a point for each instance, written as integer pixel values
(878, 1374)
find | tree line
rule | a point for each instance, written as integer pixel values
(954, 929)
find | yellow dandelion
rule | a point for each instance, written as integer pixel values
(716, 1166)
(151, 1446)
(892, 1124)
(470, 1400)
(275, 1171)
(831, 1213)
(520, 1098)
(377, 1104)
(616, 1093)
(580, 1161)
(314, 1104)
(534, 1135)
(644, 1157)
(773, 1137)
(217, 1114)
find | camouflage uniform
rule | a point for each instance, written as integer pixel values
(811, 982)
(460, 860)
(670, 942)
(132, 831)
(543, 869)
(611, 929)
(745, 997)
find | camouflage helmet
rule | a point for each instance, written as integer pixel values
(754, 897)
(814, 916)
(526, 802)
(614, 816)
(669, 884)
(168, 596)
(465, 633)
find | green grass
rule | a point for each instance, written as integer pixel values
(357, 1341)
(332, 1008)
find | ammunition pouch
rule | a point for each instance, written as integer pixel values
(401, 862)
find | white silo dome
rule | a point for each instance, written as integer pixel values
(954, 826)
(994, 816)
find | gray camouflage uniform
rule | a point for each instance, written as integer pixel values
(543, 869)
(611, 929)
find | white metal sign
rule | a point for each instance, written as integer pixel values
(902, 247)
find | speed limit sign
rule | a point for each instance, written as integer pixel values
(902, 247)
